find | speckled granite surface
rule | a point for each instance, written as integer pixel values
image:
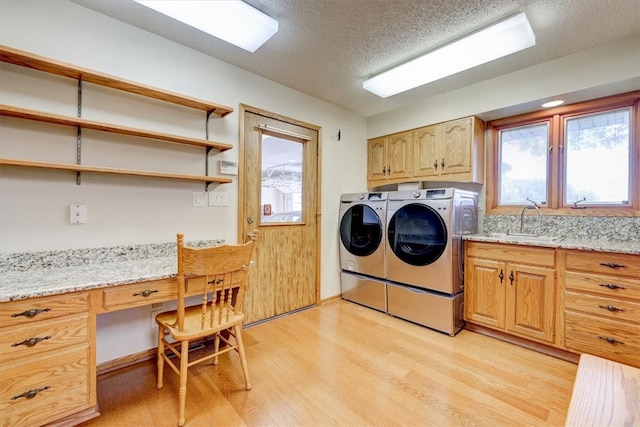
(34, 274)
(567, 243)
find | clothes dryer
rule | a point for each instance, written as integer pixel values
(362, 221)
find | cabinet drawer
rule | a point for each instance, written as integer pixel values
(602, 306)
(139, 294)
(603, 285)
(589, 334)
(57, 334)
(512, 253)
(16, 313)
(626, 265)
(65, 375)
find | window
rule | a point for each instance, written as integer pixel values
(581, 159)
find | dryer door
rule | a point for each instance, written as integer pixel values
(361, 230)
(417, 234)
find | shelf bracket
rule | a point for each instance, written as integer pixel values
(79, 135)
(206, 167)
(206, 124)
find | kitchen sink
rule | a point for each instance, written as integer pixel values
(525, 237)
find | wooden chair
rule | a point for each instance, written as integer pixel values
(220, 274)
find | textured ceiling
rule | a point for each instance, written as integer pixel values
(326, 48)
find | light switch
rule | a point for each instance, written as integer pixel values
(198, 199)
(77, 214)
(218, 199)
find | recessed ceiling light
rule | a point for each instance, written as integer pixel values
(232, 21)
(553, 103)
(501, 39)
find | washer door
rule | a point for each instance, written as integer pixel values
(417, 234)
(361, 230)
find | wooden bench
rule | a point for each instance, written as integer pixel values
(605, 393)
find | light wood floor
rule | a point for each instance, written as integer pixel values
(345, 365)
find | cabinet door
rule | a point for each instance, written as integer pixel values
(399, 163)
(455, 153)
(376, 164)
(484, 292)
(426, 151)
(530, 305)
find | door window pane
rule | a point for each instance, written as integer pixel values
(281, 186)
(523, 164)
(598, 159)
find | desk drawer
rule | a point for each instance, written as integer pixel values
(16, 313)
(589, 334)
(139, 294)
(626, 265)
(57, 334)
(603, 285)
(603, 306)
(65, 375)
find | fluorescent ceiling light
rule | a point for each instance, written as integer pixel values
(230, 20)
(501, 39)
(552, 103)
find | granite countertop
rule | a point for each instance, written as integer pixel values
(37, 274)
(632, 247)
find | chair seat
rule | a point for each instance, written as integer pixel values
(193, 323)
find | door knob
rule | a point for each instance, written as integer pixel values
(253, 235)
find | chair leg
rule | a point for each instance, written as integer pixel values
(160, 362)
(216, 347)
(243, 360)
(182, 393)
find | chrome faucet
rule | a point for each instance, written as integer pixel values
(534, 206)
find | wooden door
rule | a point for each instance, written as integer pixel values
(376, 162)
(530, 302)
(425, 151)
(399, 162)
(286, 275)
(455, 153)
(484, 292)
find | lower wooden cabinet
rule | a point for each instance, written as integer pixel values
(47, 359)
(511, 288)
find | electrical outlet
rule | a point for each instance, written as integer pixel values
(218, 199)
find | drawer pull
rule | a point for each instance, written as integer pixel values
(612, 265)
(610, 307)
(610, 340)
(612, 286)
(31, 393)
(144, 293)
(31, 312)
(31, 341)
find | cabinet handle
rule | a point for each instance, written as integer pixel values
(612, 286)
(33, 312)
(435, 164)
(389, 169)
(501, 276)
(610, 307)
(31, 341)
(612, 265)
(31, 393)
(384, 170)
(511, 278)
(610, 340)
(145, 293)
(442, 164)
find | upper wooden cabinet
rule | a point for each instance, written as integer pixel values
(450, 151)
(389, 158)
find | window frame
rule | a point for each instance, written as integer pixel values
(556, 164)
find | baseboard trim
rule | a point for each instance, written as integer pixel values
(522, 342)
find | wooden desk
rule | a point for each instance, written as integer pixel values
(605, 393)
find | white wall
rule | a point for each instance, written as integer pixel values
(125, 210)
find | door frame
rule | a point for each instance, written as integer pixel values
(244, 108)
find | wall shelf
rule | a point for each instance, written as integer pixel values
(29, 60)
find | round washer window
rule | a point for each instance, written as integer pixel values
(417, 234)
(361, 230)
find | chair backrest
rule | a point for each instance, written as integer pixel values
(220, 274)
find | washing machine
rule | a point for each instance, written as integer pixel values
(362, 223)
(424, 253)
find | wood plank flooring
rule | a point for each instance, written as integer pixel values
(346, 365)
